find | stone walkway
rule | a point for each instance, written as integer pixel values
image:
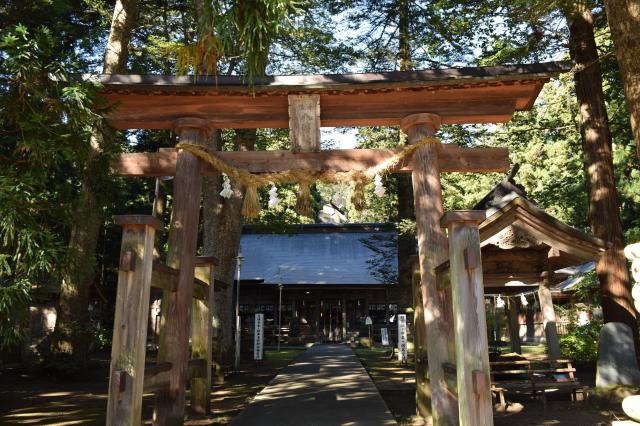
(326, 385)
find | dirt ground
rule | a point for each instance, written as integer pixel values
(29, 399)
(32, 399)
(397, 386)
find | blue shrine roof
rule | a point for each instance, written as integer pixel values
(321, 254)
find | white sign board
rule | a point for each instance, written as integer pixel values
(258, 337)
(402, 338)
(368, 321)
(384, 333)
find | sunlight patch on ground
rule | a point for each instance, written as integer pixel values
(54, 394)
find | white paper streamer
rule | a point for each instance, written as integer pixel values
(273, 196)
(338, 200)
(226, 187)
(379, 187)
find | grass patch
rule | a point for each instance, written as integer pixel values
(534, 351)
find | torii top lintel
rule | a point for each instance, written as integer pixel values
(457, 95)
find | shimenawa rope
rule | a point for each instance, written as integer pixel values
(304, 178)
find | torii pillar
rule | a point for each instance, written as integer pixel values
(183, 240)
(432, 250)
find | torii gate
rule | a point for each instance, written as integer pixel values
(418, 101)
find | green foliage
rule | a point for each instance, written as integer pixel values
(588, 288)
(241, 32)
(438, 33)
(581, 341)
(76, 24)
(44, 132)
(310, 45)
(546, 143)
(104, 337)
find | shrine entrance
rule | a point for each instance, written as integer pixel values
(331, 322)
(418, 101)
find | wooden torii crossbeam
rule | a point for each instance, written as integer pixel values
(418, 101)
(451, 158)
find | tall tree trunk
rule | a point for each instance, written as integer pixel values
(72, 325)
(404, 44)
(406, 244)
(624, 21)
(222, 225)
(222, 229)
(604, 214)
(117, 51)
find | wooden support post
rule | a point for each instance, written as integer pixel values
(432, 248)
(514, 326)
(294, 306)
(202, 339)
(549, 316)
(423, 394)
(344, 319)
(317, 318)
(497, 322)
(126, 379)
(304, 122)
(176, 309)
(472, 348)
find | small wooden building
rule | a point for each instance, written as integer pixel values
(525, 249)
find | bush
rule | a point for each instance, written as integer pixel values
(581, 341)
(365, 342)
(104, 337)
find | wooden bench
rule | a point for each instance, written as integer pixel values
(536, 377)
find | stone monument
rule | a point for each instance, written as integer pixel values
(617, 363)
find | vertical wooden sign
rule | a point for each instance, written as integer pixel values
(384, 336)
(402, 338)
(258, 338)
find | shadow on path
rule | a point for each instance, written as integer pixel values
(326, 385)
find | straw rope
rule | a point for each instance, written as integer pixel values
(304, 178)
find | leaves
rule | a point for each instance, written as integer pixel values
(45, 123)
(238, 31)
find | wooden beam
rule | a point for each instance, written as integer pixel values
(206, 261)
(304, 122)
(472, 349)
(156, 377)
(507, 291)
(166, 278)
(126, 377)
(456, 102)
(452, 158)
